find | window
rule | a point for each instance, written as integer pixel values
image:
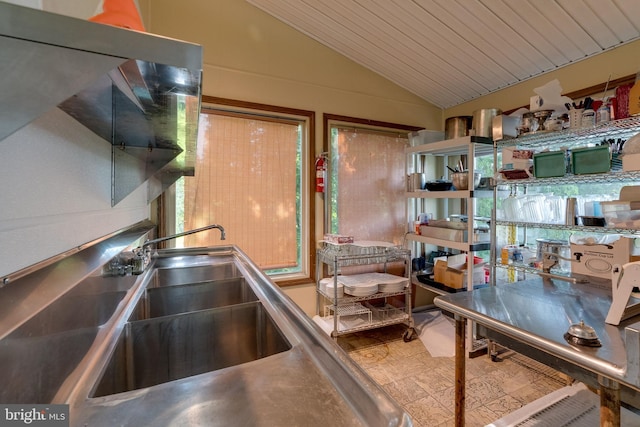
(367, 179)
(251, 168)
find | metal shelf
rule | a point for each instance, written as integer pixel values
(347, 255)
(404, 318)
(462, 194)
(581, 228)
(347, 299)
(461, 246)
(471, 147)
(569, 138)
(454, 147)
(336, 256)
(623, 128)
(347, 310)
(609, 177)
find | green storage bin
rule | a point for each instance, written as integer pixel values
(549, 164)
(590, 160)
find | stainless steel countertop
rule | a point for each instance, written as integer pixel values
(64, 323)
(314, 383)
(537, 312)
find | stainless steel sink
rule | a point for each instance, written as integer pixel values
(168, 275)
(181, 290)
(155, 351)
(187, 324)
(63, 331)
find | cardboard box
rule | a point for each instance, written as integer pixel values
(439, 271)
(456, 276)
(631, 162)
(453, 272)
(598, 260)
(442, 264)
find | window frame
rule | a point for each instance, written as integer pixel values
(308, 240)
(334, 120)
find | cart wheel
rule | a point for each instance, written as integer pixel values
(409, 335)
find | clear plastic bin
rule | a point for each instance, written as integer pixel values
(621, 214)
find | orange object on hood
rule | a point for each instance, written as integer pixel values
(120, 13)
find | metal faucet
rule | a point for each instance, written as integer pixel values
(136, 261)
(186, 233)
(142, 255)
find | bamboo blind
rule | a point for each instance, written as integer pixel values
(371, 184)
(246, 181)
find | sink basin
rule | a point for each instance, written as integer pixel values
(55, 340)
(72, 312)
(169, 300)
(190, 320)
(185, 289)
(168, 275)
(163, 349)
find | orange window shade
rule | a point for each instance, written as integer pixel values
(371, 185)
(246, 180)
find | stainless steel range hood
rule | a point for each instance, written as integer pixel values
(139, 92)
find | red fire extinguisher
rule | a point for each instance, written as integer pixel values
(321, 173)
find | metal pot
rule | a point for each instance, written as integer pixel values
(483, 121)
(456, 127)
(461, 180)
(528, 124)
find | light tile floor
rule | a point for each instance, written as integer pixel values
(424, 385)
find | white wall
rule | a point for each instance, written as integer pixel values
(56, 191)
(78, 8)
(56, 180)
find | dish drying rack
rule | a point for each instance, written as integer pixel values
(348, 314)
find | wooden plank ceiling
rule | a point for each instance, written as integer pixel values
(452, 51)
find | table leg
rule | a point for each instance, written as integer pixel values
(609, 402)
(460, 360)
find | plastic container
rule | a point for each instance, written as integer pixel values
(549, 164)
(621, 214)
(590, 160)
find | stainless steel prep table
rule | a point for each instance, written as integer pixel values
(532, 316)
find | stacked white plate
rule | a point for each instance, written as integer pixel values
(390, 283)
(330, 289)
(366, 284)
(324, 282)
(357, 285)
